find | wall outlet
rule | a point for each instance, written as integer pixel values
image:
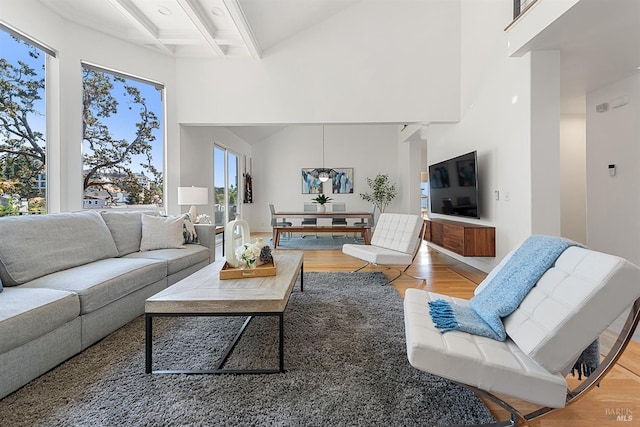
(496, 193)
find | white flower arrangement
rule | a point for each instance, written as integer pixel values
(203, 219)
(247, 255)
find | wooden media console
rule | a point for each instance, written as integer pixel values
(462, 238)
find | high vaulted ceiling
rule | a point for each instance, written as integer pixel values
(224, 28)
(599, 40)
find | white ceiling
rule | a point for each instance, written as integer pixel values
(224, 28)
(254, 134)
(599, 40)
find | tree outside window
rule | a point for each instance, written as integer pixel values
(23, 150)
(122, 143)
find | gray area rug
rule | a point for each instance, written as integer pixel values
(345, 357)
(323, 242)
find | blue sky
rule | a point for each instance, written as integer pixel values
(218, 168)
(121, 126)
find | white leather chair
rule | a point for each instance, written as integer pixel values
(569, 307)
(395, 241)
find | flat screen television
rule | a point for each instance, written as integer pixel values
(453, 186)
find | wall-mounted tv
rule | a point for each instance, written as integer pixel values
(453, 186)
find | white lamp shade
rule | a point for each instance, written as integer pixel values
(193, 195)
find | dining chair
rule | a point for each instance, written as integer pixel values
(365, 222)
(338, 207)
(310, 207)
(274, 221)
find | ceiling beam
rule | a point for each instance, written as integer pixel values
(127, 9)
(195, 14)
(239, 18)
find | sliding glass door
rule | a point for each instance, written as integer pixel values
(225, 183)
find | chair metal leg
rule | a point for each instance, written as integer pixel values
(589, 383)
(515, 417)
(400, 273)
(403, 272)
(358, 269)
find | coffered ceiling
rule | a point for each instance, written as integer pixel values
(599, 40)
(221, 28)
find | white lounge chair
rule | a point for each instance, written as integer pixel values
(568, 308)
(395, 241)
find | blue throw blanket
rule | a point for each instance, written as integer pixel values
(504, 293)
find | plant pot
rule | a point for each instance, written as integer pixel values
(322, 208)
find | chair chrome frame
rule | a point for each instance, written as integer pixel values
(593, 380)
(404, 270)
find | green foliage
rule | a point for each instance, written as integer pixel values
(10, 209)
(218, 195)
(107, 160)
(383, 192)
(321, 198)
(22, 149)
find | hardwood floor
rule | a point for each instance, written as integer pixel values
(618, 394)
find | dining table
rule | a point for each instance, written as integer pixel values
(364, 230)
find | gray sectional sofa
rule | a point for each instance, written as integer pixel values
(67, 280)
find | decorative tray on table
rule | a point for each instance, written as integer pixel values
(266, 269)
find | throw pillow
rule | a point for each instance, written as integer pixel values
(161, 232)
(126, 230)
(189, 231)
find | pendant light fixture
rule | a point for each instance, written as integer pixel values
(323, 174)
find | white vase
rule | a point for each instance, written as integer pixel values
(230, 239)
(260, 242)
(322, 208)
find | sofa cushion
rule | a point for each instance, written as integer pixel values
(162, 232)
(126, 230)
(102, 282)
(176, 259)
(26, 314)
(189, 230)
(36, 245)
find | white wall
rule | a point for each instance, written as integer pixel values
(368, 149)
(495, 126)
(573, 178)
(76, 44)
(613, 202)
(545, 142)
(196, 160)
(373, 62)
(539, 17)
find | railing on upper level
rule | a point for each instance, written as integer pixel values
(17, 213)
(519, 9)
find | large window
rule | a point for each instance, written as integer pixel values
(123, 148)
(225, 184)
(23, 148)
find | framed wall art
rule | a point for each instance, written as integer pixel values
(342, 182)
(310, 185)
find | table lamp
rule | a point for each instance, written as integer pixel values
(193, 196)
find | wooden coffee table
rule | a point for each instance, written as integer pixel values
(204, 294)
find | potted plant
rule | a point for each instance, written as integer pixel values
(321, 199)
(383, 192)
